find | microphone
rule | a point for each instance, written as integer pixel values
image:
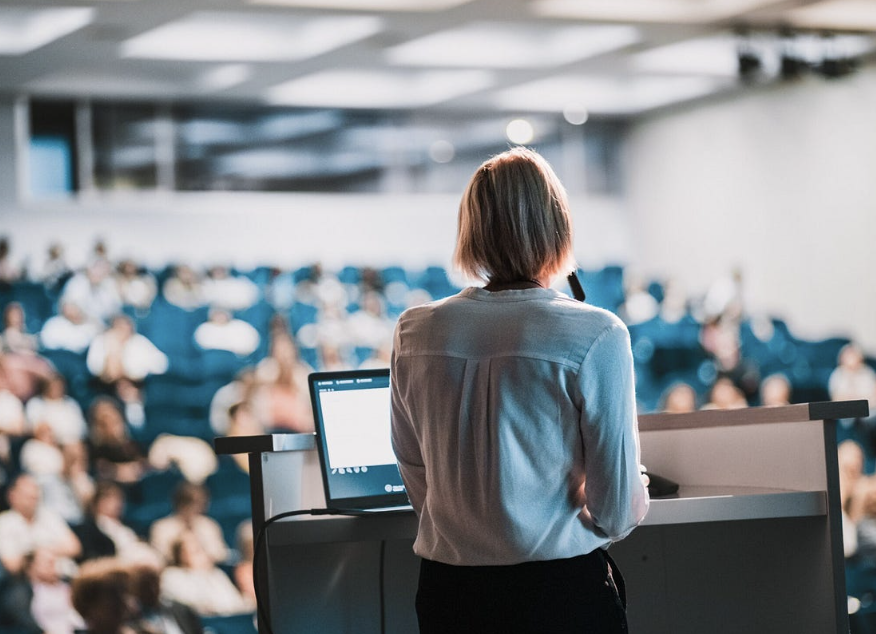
(575, 285)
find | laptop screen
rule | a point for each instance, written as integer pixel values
(352, 415)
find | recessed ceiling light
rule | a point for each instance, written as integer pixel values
(519, 131)
(512, 46)
(605, 95)
(216, 36)
(225, 77)
(369, 5)
(378, 89)
(24, 29)
(576, 113)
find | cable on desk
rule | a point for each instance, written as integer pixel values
(260, 610)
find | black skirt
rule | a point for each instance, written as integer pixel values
(560, 596)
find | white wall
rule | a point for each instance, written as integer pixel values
(780, 181)
(282, 229)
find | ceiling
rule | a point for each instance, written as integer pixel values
(605, 57)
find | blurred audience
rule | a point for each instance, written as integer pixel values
(9, 271)
(157, 614)
(94, 291)
(241, 390)
(222, 332)
(725, 395)
(183, 288)
(136, 288)
(38, 600)
(189, 506)
(108, 506)
(121, 353)
(852, 379)
(101, 595)
(222, 290)
(282, 400)
(775, 391)
(53, 407)
(114, 454)
(70, 330)
(193, 579)
(15, 337)
(680, 398)
(29, 525)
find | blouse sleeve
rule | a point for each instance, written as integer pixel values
(617, 499)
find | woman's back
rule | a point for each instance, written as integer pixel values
(506, 392)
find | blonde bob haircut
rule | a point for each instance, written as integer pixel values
(514, 221)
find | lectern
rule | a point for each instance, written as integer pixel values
(751, 543)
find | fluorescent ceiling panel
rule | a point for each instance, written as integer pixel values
(249, 37)
(90, 83)
(378, 89)
(23, 29)
(369, 5)
(666, 11)
(605, 95)
(836, 14)
(224, 77)
(496, 45)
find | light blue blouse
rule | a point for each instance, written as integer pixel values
(512, 411)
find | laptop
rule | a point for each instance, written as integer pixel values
(351, 411)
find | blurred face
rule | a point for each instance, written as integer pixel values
(851, 358)
(776, 391)
(72, 312)
(681, 399)
(108, 422)
(14, 317)
(111, 504)
(123, 326)
(56, 388)
(24, 497)
(44, 568)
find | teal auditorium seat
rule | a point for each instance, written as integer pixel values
(149, 499)
(37, 302)
(229, 497)
(604, 288)
(236, 624)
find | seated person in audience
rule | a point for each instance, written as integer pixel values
(101, 594)
(70, 490)
(157, 615)
(23, 374)
(243, 422)
(240, 390)
(775, 391)
(131, 397)
(57, 410)
(41, 455)
(70, 330)
(850, 457)
(369, 326)
(135, 288)
(223, 290)
(222, 332)
(282, 400)
(679, 398)
(193, 579)
(54, 271)
(639, 305)
(321, 288)
(189, 505)
(852, 379)
(332, 358)
(725, 395)
(675, 305)
(9, 271)
(95, 291)
(15, 337)
(184, 288)
(243, 570)
(37, 600)
(114, 454)
(720, 338)
(12, 418)
(108, 506)
(122, 353)
(29, 525)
